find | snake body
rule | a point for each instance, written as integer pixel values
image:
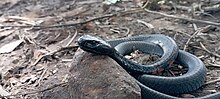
(156, 87)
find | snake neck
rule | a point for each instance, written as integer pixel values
(130, 66)
(122, 61)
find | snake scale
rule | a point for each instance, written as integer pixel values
(152, 86)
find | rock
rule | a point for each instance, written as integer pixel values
(56, 93)
(100, 77)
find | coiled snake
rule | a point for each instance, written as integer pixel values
(154, 87)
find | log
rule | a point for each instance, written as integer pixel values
(100, 77)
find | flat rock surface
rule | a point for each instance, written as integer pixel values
(100, 77)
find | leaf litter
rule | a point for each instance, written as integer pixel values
(19, 75)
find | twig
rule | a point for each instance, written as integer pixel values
(171, 72)
(67, 38)
(182, 18)
(203, 29)
(179, 32)
(150, 26)
(52, 53)
(205, 49)
(42, 75)
(71, 40)
(28, 93)
(127, 30)
(188, 41)
(213, 65)
(79, 23)
(146, 4)
(194, 27)
(208, 51)
(211, 82)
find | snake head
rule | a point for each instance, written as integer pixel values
(95, 45)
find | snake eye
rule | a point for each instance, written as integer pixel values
(92, 44)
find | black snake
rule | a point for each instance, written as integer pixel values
(154, 87)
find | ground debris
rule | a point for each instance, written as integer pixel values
(33, 57)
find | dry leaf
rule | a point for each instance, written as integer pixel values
(110, 1)
(10, 46)
(13, 80)
(5, 33)
(187, 96)
(28, 78)
(3, 92)
(150, 26)
(39, 53)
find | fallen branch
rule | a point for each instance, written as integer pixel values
(183, 18)
(75, 24)
(59, 25)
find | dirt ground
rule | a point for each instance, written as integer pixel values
(38, 37)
